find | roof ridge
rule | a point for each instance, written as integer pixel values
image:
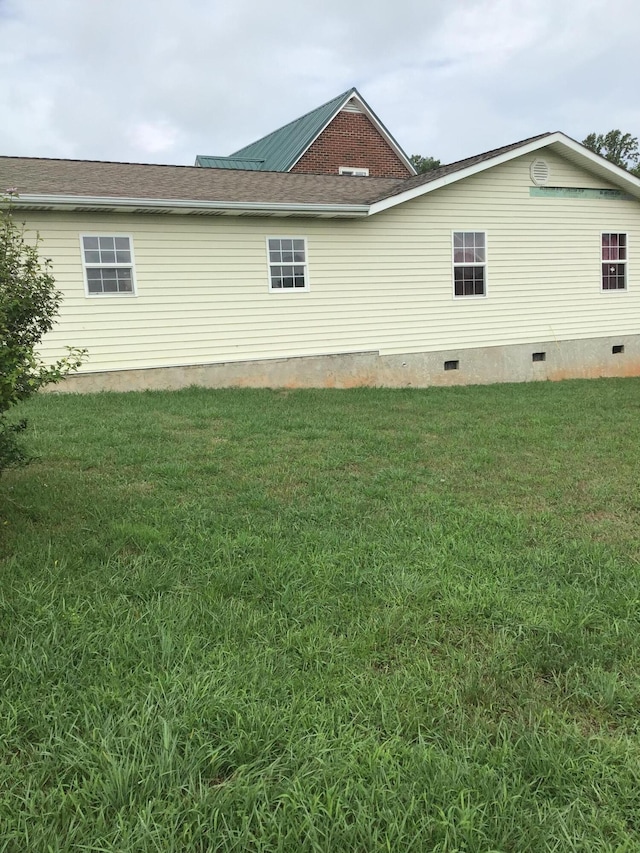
(105, 162)
(415, 179)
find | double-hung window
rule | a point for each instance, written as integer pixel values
(108, 264)
(287, 264)
(469, 263)
(614, 261)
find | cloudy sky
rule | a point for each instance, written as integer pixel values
(160, 81)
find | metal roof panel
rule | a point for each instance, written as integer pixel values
(281, 148)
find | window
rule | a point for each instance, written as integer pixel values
(469, 263)
(614, 261)
(108, 264)
(354, 170)
(287, 264)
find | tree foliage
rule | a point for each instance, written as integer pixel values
(617, 147)
(29, 303)
(423, 164)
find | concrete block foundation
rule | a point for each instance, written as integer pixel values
(550, 360)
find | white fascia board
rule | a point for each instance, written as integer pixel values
(61, 202)
(618, 175)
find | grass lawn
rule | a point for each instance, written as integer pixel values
(399, 620)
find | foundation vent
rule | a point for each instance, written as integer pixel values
(617, 348)
(539, 172)
(538, 356)
(452, 365)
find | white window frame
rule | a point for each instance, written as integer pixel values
(456, 264)
(87, 266)
(624, 261)
(271, 264)
(354, 171)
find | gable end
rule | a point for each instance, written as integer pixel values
(351, 139)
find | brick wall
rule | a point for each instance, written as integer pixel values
(351, 140)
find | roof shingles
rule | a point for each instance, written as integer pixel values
(98, 179)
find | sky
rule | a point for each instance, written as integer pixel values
(160, 81)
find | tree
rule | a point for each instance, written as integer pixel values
(617, 147)
(29, 303)
(423, 164)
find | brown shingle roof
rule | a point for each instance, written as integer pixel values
(134, 180)
(99, 179)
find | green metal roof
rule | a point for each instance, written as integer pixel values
(280, 150)
(230, 163)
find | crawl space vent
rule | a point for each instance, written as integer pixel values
(539, 172)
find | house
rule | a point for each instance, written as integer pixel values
(521, 263)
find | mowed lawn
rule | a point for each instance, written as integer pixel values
(368, 620)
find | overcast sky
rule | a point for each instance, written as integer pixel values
(159, 81)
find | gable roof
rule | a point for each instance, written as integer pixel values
(281, 149)
(557, 142)
(136, 188)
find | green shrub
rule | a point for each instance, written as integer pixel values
(29, 303)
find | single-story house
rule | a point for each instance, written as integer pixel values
(336, 265)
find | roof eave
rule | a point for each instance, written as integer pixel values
(183, 206)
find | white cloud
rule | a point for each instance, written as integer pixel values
(162, 81)
(486, 36)
(154, 137)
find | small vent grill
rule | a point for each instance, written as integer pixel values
(151, 211)
(539, 172)
(94, 209)
(35, 207)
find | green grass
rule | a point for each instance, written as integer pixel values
(365, 620)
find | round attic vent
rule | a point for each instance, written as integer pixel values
(539, 172)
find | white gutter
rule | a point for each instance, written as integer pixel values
(72, 202)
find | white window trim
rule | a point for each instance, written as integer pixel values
(86, 266)
(485, 264)
(354, 171)
(282, 290)
(624, 289)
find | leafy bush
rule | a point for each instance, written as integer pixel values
(29, 303)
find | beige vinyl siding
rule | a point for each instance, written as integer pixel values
(384, 283)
